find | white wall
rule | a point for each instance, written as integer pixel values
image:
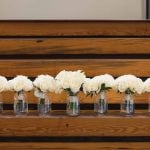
(72, 9)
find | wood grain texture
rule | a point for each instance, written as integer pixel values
(75, 46)
(112, 98)
(74, 28)
(75, 146)
(92, 67)
(87, 124)
(74, 37)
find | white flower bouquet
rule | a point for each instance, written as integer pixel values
(44, 83)
(3, 87)
(70, 81)
(147, 86)
(98, 84)
(3, 84)
(129, 84)
(147, 89)
(20, 83)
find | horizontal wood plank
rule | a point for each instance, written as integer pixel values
(92, 67)
(75, 146)
(75, 46)
(87, 124)
(74, 28)
(112, 98)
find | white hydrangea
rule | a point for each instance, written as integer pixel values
(129, 82)
(70, 80)
(90, 86)
(98, 84)
(20, 83)
(3, 84)
(45, 83)
(147, 85)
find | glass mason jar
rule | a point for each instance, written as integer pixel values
(44, 105)
(20, 103)
(101, 105)
(1, 104)
(127, 107)
(73, 106)
(149, 104)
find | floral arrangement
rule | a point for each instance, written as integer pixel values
(70, 81)
(98, 84)
(3, 84)
(147, 85)
(44, 83)
(20, 83)
(129, 84)
(90, 86)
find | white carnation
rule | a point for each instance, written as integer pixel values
(90, 86)
(147, 85)
(20, 83)
(95, 84)
(129, 82)
(45, 83)
(3, 84)
(70, 80)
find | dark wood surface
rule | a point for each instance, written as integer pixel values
(74, 46)
(74, 28)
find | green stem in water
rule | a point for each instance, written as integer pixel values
(104, 88)
(20, 103)
(101, 101)
(42, 101)
(71, 105)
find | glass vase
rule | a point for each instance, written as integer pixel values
(73, 106)
(127, 107)
(149, 104)
(44, 105)
(101, 105)
(1, 104)
(20, 103)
